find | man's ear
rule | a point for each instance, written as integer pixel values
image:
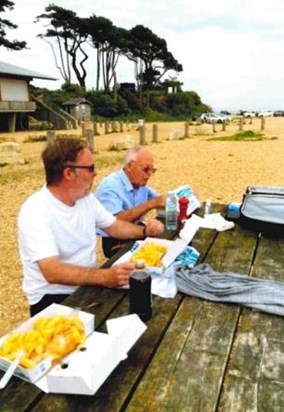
(68, 173)
(127, 165)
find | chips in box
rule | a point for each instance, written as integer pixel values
(83, 370)
(151, 251)
(54, 311)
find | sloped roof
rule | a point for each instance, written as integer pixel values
(76, 100)
(10, 69)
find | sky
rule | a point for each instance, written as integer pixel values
(232, 51)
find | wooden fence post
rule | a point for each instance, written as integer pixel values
(121, 127)
(224, 126)
(114, 126)
(83, 128)
(90, 139)
(214, 127)
(155, 133)
(142, 139)
(50, 135)
(96, 129)
(186, 129)
(241, 124)
(262, 123)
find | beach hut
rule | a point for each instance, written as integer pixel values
(79, 107)
(15, 95)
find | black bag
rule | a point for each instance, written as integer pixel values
(262, 210)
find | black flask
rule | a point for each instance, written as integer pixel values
(140, 292)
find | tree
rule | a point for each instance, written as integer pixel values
(4, 24)
(70, 32)
(151, 56)
(108, 40)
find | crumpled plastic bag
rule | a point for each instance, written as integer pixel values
(165, 285)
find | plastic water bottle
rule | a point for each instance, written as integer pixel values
(140, 298)
(171, 212)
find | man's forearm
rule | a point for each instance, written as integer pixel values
(59, 272)
(131, 215)
(125, 230)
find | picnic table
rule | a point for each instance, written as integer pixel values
(195, 355)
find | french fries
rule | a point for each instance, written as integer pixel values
(54, 336)
(151, 253)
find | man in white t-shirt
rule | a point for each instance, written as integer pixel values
(57, 229)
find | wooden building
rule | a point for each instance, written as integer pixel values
(79, 107)
(15, 96)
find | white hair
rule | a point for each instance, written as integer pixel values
(131, 153)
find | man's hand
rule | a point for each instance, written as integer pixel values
(159, 201)
(154, 228)
(118, 274)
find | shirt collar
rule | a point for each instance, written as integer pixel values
(126, 182)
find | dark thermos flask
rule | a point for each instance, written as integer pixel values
(140, 291)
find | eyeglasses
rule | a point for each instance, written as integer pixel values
(90, 168)
(147, 169)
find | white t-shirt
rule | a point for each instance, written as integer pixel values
(48, 227)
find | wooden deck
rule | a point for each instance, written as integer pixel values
(195, 355)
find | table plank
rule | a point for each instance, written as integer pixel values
(255, 378)
(196, 341)
(194, 353)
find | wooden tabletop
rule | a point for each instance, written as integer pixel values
(195, 355)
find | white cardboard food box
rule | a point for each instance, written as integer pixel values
(84, 371)
(174, 249)
(127, 256)
(31, 375)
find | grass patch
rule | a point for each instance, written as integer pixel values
(13, 174)
(5, 139)
(32, 139)
(246, 136)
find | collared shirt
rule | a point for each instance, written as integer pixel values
(117, 194)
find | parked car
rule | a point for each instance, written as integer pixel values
(249, 114)
(278, 113)
(227, 116)
(213, 118)
(265, 113)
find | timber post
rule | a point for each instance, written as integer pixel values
(90, 139)
(155, 133)
(142, 139)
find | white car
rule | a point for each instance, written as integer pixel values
(213, 118)
(265, 113)
(249, 114)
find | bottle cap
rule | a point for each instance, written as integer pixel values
(140, 264)
(183, 200)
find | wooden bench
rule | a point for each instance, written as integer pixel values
(195, 355)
